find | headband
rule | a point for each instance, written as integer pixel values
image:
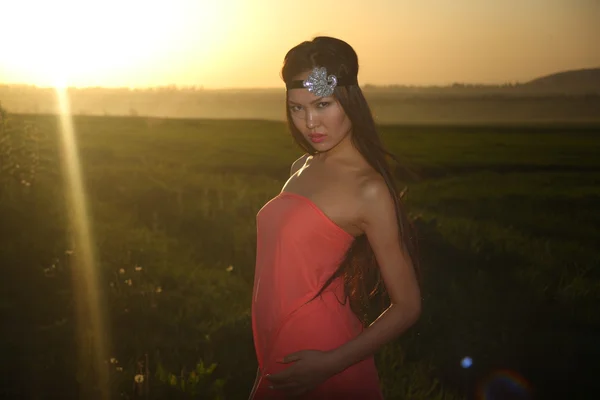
(319, 83)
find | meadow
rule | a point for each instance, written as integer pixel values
(508, 225)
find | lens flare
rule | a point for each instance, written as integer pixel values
(504, 384)
(93, 340)
(466, 362)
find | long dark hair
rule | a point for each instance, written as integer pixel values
(362, 280)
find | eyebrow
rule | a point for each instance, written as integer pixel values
(312, 102)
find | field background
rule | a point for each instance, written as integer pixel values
(565, 97)
(507, 216)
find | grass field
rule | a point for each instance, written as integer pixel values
(508, 224)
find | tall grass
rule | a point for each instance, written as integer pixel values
(507, 230)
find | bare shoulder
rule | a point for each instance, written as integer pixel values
(376, 200)
(373, 188)
(299, 163)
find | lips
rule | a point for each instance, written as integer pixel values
(316, 137)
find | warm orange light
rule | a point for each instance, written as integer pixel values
(74, 42)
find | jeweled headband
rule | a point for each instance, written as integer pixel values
(319, 83)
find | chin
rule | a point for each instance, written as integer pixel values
(321, 148)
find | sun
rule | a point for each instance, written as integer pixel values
(66, 42)
(79, 42)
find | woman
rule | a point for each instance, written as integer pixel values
(337, 220)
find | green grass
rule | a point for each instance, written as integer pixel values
(507, 218)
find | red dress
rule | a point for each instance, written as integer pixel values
(298, 248)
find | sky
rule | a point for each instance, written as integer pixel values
(241, 43)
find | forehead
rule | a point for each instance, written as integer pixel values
(302, 96)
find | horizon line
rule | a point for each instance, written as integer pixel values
(201, 87)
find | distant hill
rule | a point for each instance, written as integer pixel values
(576, 82)
(581, 82)
(570, 96)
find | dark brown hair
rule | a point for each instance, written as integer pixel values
(359, 268)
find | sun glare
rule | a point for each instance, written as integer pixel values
(70, 42)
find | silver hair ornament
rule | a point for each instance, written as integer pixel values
(319, 84)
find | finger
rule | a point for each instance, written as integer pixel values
(297, 392)
(279, 377)
(288, 386)
(289, 358)
(286, 360)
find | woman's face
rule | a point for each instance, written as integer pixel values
(321, 120)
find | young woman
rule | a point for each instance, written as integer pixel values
(337, 220)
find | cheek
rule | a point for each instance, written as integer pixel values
(342, 123)
(334, 120)
(298, 123)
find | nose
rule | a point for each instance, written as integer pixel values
(311, 120)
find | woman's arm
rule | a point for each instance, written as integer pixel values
(378, 217)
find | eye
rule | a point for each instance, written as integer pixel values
(323, 104)
(294, 108)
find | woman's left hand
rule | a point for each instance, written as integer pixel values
(310, 368)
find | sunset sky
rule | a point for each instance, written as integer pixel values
(241, 43)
